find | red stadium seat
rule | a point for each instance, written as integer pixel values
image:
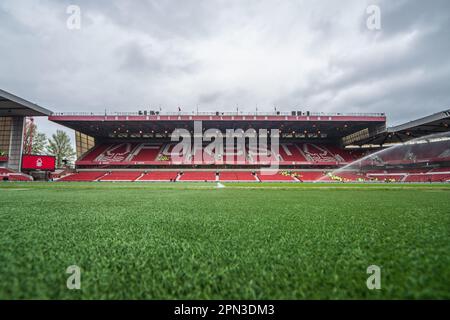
(19, 177)
(5, 171)
(387, 177)
(122, 176)
(159, 176)
(446, 170)
(146, 152)
(132, 153)
(84, 176)
(290, 152)
(236, 176)
(94, 152)
(275, 176)
(309, 175)
(10, 175)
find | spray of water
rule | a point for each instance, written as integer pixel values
(417, 153)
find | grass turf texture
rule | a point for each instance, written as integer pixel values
(246, 241)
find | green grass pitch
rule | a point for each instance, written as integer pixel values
(245, 241)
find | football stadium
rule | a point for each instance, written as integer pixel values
(145, 218)
(224, 159)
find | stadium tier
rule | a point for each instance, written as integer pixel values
(387, 177)
(309, 176)
(434, 175)
(416, 153)
(19, 177)
(310, 146)
(440, 170)
(133, 153)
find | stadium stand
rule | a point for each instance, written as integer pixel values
(316, 153)
(198, 176)
(312, 147)
(350, 176)
(128, 153)
(427, 177)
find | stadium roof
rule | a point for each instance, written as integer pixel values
(11, 105)
(332, 125)
(432, 124)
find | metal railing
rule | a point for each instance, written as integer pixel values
(193, 113)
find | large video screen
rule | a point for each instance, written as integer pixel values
(36, 162)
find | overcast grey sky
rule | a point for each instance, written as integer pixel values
(297, 55)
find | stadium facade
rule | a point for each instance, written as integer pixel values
(141, 146)
(148, 138)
